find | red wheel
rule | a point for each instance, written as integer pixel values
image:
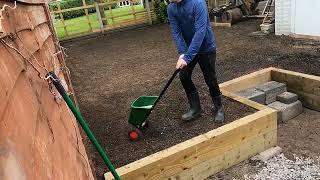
(134, 135)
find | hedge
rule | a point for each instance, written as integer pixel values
(160, 9)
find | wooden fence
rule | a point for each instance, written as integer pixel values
(108, 16)
(217, 3)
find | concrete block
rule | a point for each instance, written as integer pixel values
(287, 111)
(254, 95)
(267, 28)
(267, 154)
(287, 97)
(272, 89)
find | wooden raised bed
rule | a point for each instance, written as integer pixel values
(306, 86)
(232, 143)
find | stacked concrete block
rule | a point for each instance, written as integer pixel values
(287, 111)
(272, 89)
(275, 95)
(287, 97)
(254, 95)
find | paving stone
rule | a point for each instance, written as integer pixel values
(267, 154)
(254, 95)
(272, 89)
(286, 111)
(287, 97)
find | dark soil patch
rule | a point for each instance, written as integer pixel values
(109, 72)
(166, 129)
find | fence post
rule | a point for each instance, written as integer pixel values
(62, 20)
(111, 15)
(102, 13)
(133, 11)
(99, 16)
(148, 11)
(87, 14)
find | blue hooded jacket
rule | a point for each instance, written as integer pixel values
(191, 28)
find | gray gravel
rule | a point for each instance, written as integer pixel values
(282, 168)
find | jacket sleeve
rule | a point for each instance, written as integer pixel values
(176, 31)
(201, 20)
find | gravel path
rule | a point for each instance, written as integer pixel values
(299, 139)
(282, 168)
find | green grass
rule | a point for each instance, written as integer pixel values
(74, 29)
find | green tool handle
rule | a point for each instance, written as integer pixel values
(57, 83)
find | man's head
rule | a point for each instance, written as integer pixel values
(175, 1)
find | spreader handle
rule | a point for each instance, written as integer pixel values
(166, 87)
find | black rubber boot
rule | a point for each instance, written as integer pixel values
(218, 109)
(195, 108)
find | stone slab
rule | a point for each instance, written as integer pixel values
(272, 89)
(267, 28)
(267, 154)
(287, 111)
(287, 97)
(254, 95)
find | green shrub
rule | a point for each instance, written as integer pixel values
(71, 4)
(160, 9)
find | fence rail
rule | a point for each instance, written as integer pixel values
(107, 16)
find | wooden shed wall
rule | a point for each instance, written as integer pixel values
(39, 136)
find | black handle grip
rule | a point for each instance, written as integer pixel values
(57, 83)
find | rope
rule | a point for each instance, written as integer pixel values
(64, 54)
(4, 8)
(42, 66)
(54, 56)
(17, 51)
(47, 77)
(25, 58)
(63, 50)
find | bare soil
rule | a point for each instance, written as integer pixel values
(109, 72)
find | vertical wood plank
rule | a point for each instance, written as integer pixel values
(99, 16)
(87, 14)
(133, 11)
(111, 15)
(101, 6)
(60, 56)
(62, 20)
(148, 11)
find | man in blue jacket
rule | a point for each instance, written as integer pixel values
(195, 42)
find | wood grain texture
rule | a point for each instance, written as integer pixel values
(203, 155)
(38, 133)
(247, 81)
(306, 86)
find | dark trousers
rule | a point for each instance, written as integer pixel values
(207, 64)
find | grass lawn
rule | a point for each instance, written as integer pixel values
(74, 29)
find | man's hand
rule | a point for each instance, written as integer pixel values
(181, 62)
